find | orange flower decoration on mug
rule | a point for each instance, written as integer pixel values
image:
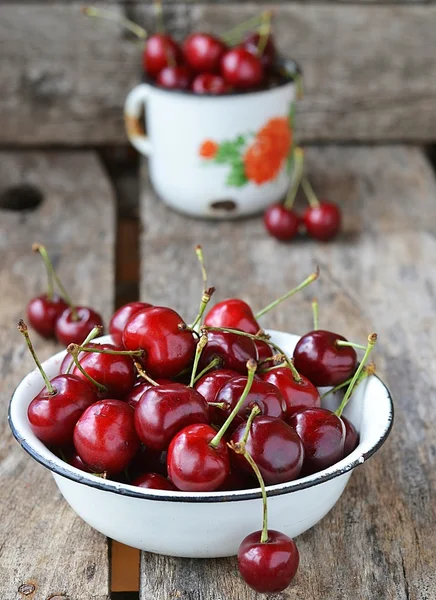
(258, 160)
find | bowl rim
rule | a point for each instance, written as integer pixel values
(58, 467)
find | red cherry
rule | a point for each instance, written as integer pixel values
(208, 83)
(154, 481)
(234, 351)
(323, 437)
(318, 357)
(265, 395)
(238, 480)
(135, 394)
(72, 330)
(264, 351)
(203, 52)
(114, 371)
(43, 312)
(68, 359)
(351, 437)
(234, 314)
(120, 318)
(105, 437)
(160, 51)
(241, 69)
(281, 222)
(193, 464)
(174, 78)
(323, 222)
(147, 460)
(275, 448)
(268, 567)
(209, 385)
(164, 410)
(297, 394)
(269, 53)
(76, 461)
(160, 332)
(52, 417)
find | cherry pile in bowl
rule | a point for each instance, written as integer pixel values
(211, 405)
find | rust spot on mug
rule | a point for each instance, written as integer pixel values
(133, 126)
(26, 589)
(227, 205)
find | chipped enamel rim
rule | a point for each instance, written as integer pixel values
(25, 437)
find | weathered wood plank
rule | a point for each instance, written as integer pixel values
(42, 542)
(379, 541)
(369, 70)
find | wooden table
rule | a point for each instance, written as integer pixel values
(379, 541)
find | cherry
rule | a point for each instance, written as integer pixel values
(281, 222)
(147, 460)
(120, 318)
(275, 448)
(209, 83)
(233, 313)
(153, 481)
(105, 437)
(137, 391)
(162, 333)
(298, 393)
(166, 409)
(209, 385)
(175, 78)
(264, 351)
(232, 349)
(351, 437)
(322, 360)
(322, 219)
(160, 51)
(237, 480)
(75, 324)
(268, 567)
(253, 44)
(203, 52)
(323, 437)
(77, 462)
(43, 312)
(241, 69)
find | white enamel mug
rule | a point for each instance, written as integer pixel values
(216, 156)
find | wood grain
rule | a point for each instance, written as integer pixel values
(370, 72)
(379, 541)
(44, 547)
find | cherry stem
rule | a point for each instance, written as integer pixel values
(366, 372)
(221, 405)
(296, 178)
(312, 277)
(315, 314)
(92, 334)
(264, 31)
(276, 358)
(251, 366)
(200, 256)
(22, 328)
(49, 265)
(198, 350)
(254, 412)
(372, 339)
(112, 352)
(350, 344)
(235, 33)
(144, 375)
(48, 268)
(160, 25)
(92, 11)
(213, 363)
(73, 349)
(253, 465)
(207, 294)
(309, 193)
(283, 364)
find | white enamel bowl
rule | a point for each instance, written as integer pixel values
(205, 524)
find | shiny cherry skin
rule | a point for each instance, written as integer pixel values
(137, 391)
(241, 69)
(175, 78)
(53, 417)
(153, 481)
(71, 331)
(68, 359)
(105, 436)
(234, 351)
(274, 446)
(209, 83)
(159, 331)
(203, 52)
(233, 313)
(269, 567)
(160, 51)
(265, 395)
(323, 222)
(263, 350)
(114, 371)
(281, 222)
(322, 361)
(77, 462)
(194, 465)
(43, 312)
(297, 394)
(210, 384)
(120, 318)
(268, 56)
(323, 437)
(351, 437)
(166, 409)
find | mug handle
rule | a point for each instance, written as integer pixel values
(133, 107)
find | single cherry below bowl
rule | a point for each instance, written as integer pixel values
(43, 313)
